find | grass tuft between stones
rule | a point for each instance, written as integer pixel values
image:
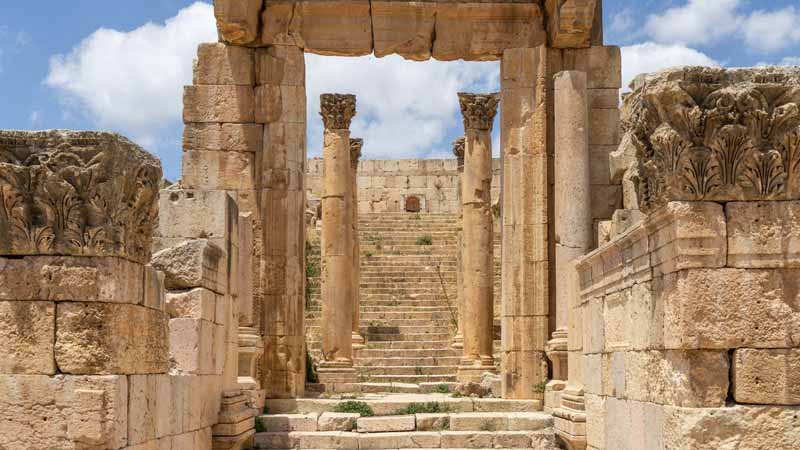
(354, 407)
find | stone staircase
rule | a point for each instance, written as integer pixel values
(408, 301)
(398, 421)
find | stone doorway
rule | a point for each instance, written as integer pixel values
(413, 204)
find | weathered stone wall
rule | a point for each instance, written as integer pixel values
(91, 357)
(691, 321)
(385, 185)
(688, 318)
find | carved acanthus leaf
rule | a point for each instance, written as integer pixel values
(337, 110)
(478, 110)
(716, 134)
(76, 193)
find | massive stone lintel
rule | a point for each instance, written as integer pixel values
(76, 193)
(574, 23)
(716, 135)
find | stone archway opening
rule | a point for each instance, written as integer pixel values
(413, 204)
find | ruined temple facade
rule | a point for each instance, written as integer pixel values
(647, 296)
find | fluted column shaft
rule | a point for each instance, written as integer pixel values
(337, 238)
(355, 154)
(478, 237)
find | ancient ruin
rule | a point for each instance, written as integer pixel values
(624, 276)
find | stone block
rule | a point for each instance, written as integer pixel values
(329, 421)
(280, 65)
(750, 427)
(232, 137)
(763, 234)
(237, 20)
(188, 214)
(154, 293)
(280, 103)
(482, 31)
(433, 422)
(192, 346)
(731, 308)
(110, 212)
(71, 278)
(467, 439)
(617, 322)
(198, 303)
(289, 422)
(27, 331)
(596, 420)
(218, 103)
(192, 264)
(602, 64)
(571, 23)
(385, 424)
(336, 28)
(403, 28)
(769, 377)
(686, 235)
(604, 127)
(219, 63)
(63, 412)
(104, 338)
(213, 170)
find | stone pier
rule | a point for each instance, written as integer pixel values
(478, 249)
(458, 340)
(573, 213)
(355, 154)
(337, 241)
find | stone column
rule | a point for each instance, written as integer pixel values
(355, 154)
(525, 260)
(573, 212)
(478, 257)
(458, 340)
(573, 224)
(337, 240)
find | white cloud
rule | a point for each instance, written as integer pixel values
(698, 22)
(771, 31)
(651, 57)
(34, 118)
(790, 61)
(132, 81)
(405, 109)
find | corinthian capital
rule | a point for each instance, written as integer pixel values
(458, 150)
(337, 110)
(76, 193)
(478, 110)
(355, 151)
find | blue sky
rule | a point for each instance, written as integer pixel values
(91, 64)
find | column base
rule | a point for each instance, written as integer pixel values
(557, 354)
(358, 341)
(472, 371)
(570, 419)
(458, 341)
(335, 372)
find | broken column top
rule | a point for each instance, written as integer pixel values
(337, 110)
(355, 150)
(458, 149)
(81, 193)
(478, 110)
(715, 134)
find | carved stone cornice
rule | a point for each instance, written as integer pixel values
(355, 151)
(478, 110)
(337, 110)
(76, 193)
(715, 134)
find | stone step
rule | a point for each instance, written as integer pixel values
(372, 324)
(392, 315)
(406, 337)
(313, 341)
(416, 379)
(540, 440)
(407, 370)
(401, 354)
(403, 330)
(362, 360)
(388, 404)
